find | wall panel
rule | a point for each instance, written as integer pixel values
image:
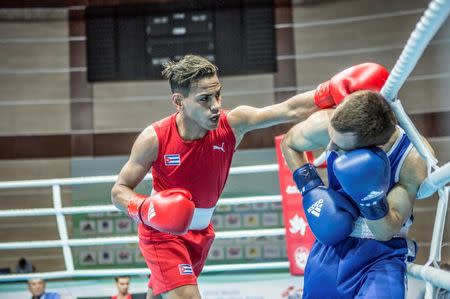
(355, 34)
(40, 119)
(34, 86)
(22, 57)
(330, 10)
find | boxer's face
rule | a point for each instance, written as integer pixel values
(203, 104)
(341, 141)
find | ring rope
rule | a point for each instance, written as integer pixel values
(425, 29)
(433, 18)
(62, 228)
(439, 277)
(436, 180)
(140, 271)
(112, 178)
(111, 208)
(130, 239)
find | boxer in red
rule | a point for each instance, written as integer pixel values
(190, 153)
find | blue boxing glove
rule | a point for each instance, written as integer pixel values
(364, 175)
(330, 215)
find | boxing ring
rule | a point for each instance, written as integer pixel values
(430, 22)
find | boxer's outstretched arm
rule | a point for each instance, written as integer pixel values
(143, 154)
(310, 134)
(328, 94)
(400, 198)
(297, 108)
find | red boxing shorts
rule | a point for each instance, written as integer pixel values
(174, 260)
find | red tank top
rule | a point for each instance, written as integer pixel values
(200, 166)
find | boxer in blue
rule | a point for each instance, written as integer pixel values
(361, 219)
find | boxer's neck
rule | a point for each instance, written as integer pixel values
(387, 146)
(188, 129)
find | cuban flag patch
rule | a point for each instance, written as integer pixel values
(172, 160)
(185, 269)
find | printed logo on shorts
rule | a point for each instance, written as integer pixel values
(185, 269)
(172, 160)
(316, 207)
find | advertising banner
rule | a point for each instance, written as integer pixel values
(299, 238)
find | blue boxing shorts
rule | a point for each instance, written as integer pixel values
(357, 268)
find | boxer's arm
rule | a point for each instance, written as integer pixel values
(246, 118)
(328, 94)
(310, 134)
(400, 198)
(143, 153)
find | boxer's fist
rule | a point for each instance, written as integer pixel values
(168, 211)
(330, 215)
(364, 175)
(365, 76)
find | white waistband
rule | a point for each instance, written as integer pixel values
(202, 218)
(362, 230)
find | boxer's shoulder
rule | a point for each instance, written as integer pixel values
(414, 170)
(145, 148)
(148, 135)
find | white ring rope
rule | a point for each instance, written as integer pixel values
(140, 271)
(426, 28)
(112, 178)
(62, 228)
(129, 240)
(439, 226)
(435, 181)
(439, 277)
(111, 208)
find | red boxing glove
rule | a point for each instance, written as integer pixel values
(364, 76)
(169, 211)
